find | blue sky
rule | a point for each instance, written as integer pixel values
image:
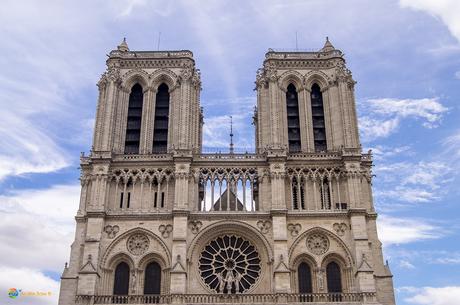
(405, 56)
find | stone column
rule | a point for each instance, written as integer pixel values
(362, 252)
(282, 274)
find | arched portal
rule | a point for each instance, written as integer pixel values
(121, 282)
(304, 277)
(152, 281)
(334, 278)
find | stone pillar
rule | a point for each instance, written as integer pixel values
(282, 274)
(362, 252)
(179, 253)
(88, 276)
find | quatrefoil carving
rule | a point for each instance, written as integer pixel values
(340, 228)
(264, 226)
(111, 230)
(294, 228)
(195, 226)
(165, 230)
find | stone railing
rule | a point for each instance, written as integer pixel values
(292, 298)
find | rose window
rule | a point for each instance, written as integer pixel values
(229, 264)
(138, 243)
(317, 243)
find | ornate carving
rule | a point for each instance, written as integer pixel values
(195, 226)
(111, 230)
(165, 230)
(317, 243)
(138, 243)
(340, 228)
(294, 228)
(229, 264)
(264, 226)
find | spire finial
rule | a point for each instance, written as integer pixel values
(327, 46)
(231, 135)
(123, 47)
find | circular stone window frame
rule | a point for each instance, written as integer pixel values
(226, 264)
(318, 235)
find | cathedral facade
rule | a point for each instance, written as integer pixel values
(161, 222)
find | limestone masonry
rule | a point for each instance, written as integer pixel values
(161, 222)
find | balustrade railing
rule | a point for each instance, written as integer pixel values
(362, 297)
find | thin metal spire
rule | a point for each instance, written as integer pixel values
(231, 135)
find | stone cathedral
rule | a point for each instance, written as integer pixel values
(161, 222)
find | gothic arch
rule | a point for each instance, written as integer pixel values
(291, 77)
(233, 227)
(334, 257)
(152, 256)
(132, 77)
(348, 260)
(318, 77)
(109, 252)
(164, 76)
(301, 258)
(118, 258)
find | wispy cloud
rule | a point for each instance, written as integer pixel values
(416, 181)
(44, 220)
(382, 117)
(448, 295)
(446, 10)
(394, 230)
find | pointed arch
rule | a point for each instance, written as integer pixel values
(133, 125)
(134, 76)
(293, 118)
(152, 278)
(164, 76)
(319, 126)
(161, 123)
(334, 278)
(121, 279)
(291, 77)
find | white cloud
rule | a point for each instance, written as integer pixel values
(394, 230)
(448, 295)
(447, 10)
(405, 264)
(28, 280)
(382, 117)
(383, 152)
(35, 222)
(415, 182)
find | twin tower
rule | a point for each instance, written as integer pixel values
(161, 222)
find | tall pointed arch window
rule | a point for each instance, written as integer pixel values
(334, 278)
(160, 128)
(152, 281)
(319, 127)
(292, 105)
(304, 277)
(133, 126)
(121, 281)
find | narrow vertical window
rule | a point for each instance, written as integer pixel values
(160, 128)
(155, 199)
(121, 281)
(129, 200)
(152, 281)
(304, 277)
(292, 104)
(133, 126)
(121, 200)
(295, 195)
(162, 199)
(325, 195)
(319, 127)
(334, 278)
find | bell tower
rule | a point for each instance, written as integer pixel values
(305, 102)
(148, 103)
